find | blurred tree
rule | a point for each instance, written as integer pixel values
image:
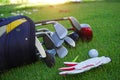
(4, 1)
(19, 1)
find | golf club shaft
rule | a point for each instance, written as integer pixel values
(73, 21)
(46, 22)
(59, 19)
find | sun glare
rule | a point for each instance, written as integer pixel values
(54, 1)
(39, 1)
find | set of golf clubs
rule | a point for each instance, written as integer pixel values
(53, 41)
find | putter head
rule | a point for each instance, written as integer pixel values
(75, 23)
(60, 30)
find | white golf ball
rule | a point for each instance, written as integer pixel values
(93, 53)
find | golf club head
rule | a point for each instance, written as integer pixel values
(75, 23)
(48, 42)
(62, 51)
(40, 48)
(57, 41)
(69, 41)
(60, 30)
(49, 60)
(74, 36)
(85, 33)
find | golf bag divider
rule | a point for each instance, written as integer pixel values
(17, 42)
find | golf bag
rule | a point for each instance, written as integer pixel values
(17, 41)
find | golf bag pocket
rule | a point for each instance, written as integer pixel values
(17, 42)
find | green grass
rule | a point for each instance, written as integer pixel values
(104, 18)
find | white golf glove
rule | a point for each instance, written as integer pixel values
(74, 67)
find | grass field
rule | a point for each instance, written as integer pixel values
(104, 18)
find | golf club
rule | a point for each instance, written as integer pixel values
(42, 30)
(56, 39)
(62, 51)
(53, 42)
(59, 34)
(49, 60)
(58, 42)
(73, 21)
(40, 48)
(69, 41)
(85, 33)
(47, 57)
(48, 42)
(60, 30)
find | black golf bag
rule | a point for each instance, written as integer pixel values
(17, 41)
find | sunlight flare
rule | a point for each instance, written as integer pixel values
(40, 1)
(54, 1)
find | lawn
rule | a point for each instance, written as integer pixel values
(103, 18)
